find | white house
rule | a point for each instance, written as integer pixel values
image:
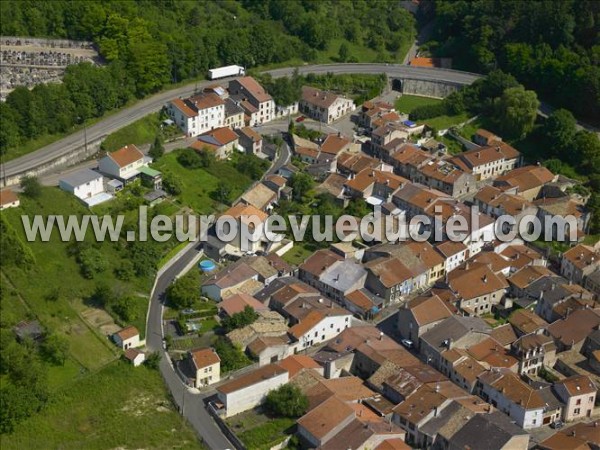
(320, 326)
(83, 184)
(515, 398)
(455, 253)
(488, 162)
(198, 114)
(324, 106)
(250, 390)
(207, 365)
(252, 97)
(8, 199)
(135, 356)
(124, 164)
(128, 337)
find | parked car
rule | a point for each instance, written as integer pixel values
(557, 424)
(407, 343)
(300, 119)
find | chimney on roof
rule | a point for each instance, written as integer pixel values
(381, 335)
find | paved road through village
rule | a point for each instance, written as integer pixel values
(154, 103)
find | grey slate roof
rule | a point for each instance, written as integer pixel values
(454, 328)
(80, 177)
(232, 108)
(344, 275)
(550, 399)
(485, 432)
(552, 288)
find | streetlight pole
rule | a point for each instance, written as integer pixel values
(85, 143)
(85, 137)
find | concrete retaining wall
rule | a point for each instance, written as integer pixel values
(70, 159)
(437, 89)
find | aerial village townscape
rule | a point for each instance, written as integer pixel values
(349, 344)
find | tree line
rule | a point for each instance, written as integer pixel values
(148, 44)
(550, 46)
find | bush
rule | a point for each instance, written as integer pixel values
(232, 357)
(240, 320)
(56, 349)
(92, 261)
(152, 360)
(125, 308)
(171, 184)
(183, 292)
(287, 401)
(31, 186)
(428, 111)
(189, 159)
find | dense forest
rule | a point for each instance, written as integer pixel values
(550, 46)
(148, 44)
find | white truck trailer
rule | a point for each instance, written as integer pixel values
(227, 71)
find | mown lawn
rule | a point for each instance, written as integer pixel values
(118, 407)
(445, 122)
(297, 255)
(406, 103)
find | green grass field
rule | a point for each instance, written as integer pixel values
(297, 255)
(445, 122)
(140, 132)
(406, 103)
(88, 388)
(117, 407)
(258, 431)
(197, 184)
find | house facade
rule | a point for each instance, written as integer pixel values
(250, 390)
(207, 365)
(324, 106)
(128, 337)
(83, 184)
(124, 164)
(578, 393)
(505, 391)
(260, 104)
(197, 114)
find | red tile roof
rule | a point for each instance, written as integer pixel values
(7, 196)
(237, 302)
(185, 109)
(295, 363)
(261, 374)
(128, 332)
(126, 155)
(204, 357)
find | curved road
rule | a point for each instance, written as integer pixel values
(190, 404)
(154, 103)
